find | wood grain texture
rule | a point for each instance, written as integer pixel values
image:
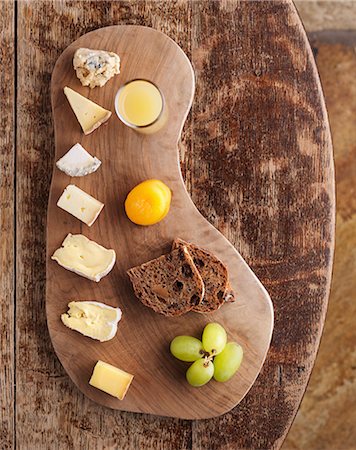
(52, 413)
(280, 214)
(141, 345)
(277, 197)
(328, 402)
(7, 229)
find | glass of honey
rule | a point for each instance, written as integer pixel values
(139, 104)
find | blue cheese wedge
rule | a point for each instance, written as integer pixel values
(95, 67)
(89, 114)
(80, 204)
(77, 162)
(92, 319)
(84, 257)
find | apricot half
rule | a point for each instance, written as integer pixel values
(148, 202)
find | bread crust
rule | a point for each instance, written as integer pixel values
(214, 274)
(170, 285)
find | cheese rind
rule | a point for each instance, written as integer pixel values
(92, 319)
(77, 162)
(84, 257)
(80, 204)
(110, 379)
(89, 114)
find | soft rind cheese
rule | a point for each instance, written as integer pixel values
(77, 162)
(95, 67)
(92, 319)
(85, 257)
(80, 204)
(89, 114)
(111, 379)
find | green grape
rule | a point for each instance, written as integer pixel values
(228, 361)
(200, 372)
(187, 348)
(214, 338)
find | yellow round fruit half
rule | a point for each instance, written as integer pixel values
(148, 202)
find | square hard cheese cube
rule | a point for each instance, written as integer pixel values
(80, 204)
(110, 379)
(77, 162)
(89, 114)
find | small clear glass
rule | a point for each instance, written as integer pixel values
(140, 105)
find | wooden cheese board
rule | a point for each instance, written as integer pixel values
(141, 345)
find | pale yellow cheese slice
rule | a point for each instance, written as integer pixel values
(89, 114)
(93, 319)
(84, 257)
(110, 379)
(80, 204)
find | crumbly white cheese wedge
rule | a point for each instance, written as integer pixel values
(77, 162)
(89, 114)
(95, 67)
(80, 204)
(93, 319)
(84, 257)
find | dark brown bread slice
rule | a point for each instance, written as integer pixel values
(171, 284)
(215, 277)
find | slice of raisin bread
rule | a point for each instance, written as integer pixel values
(214, 274)
(171, 284)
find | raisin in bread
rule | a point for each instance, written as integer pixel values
(214, 274)
(171, 284)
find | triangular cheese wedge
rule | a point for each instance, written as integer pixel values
(89, 114)
(77, 162)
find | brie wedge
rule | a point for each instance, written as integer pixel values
(95, 67)
(89, 114)
(93, 319)
(80, 204)
(84, 257)
(77, 162)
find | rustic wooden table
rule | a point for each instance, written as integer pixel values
(256, 155)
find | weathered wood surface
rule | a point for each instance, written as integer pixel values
(257, 159)
(7, 228)
(128, 158)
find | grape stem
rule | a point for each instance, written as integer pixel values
(204, 353)
(208, 359)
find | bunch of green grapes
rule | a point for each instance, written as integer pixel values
(211, 357)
